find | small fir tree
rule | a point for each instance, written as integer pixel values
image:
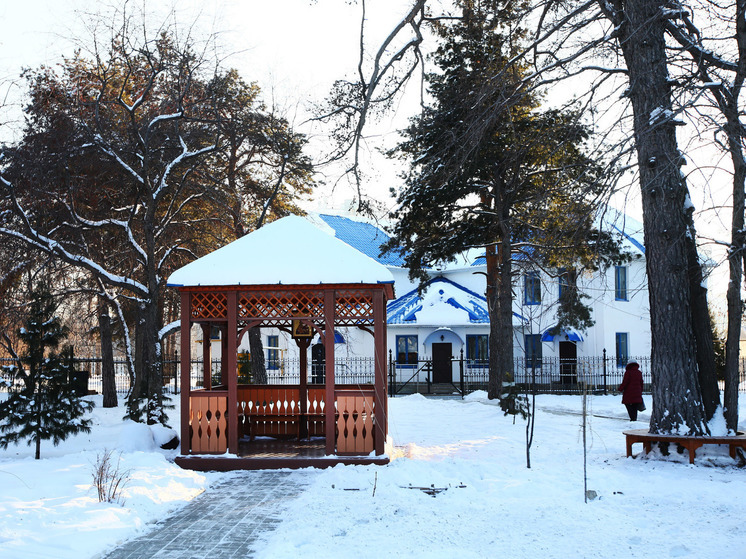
(41, 404)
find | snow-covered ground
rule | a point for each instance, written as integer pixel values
(492, 504)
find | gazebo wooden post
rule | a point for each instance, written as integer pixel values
(224, 330)
(206, 356)
(379, 398)
(186, 357)
(303, 391)
(330, 397)
(231, 372)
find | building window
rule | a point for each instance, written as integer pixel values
(531, 288)
(563, 280)
(622, 349)
(477, 349)
(406, 350)
(620, 283)
(533, 350)
(273, 352)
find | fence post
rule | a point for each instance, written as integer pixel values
(427, 370)
(604, 358)
(176, 372)
(392, 376)
(461, 372)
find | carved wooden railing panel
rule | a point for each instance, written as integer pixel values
(268, 410)
(315, 409)
(354, 422)
(208, 423)
(209, 304)
(275, 411)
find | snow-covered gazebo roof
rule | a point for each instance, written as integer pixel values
(289, 251)
(294, 276)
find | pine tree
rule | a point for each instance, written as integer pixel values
(42, 404)
(491, 169)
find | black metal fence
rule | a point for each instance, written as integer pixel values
(91, 369)
(355, 370)
(548, 375)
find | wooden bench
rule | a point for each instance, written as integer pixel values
(690, 443)
(274, 411)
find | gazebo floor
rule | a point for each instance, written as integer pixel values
(268, 447)
(266, 453)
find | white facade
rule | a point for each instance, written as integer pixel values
(450, 316)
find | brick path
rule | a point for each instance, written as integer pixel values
(224, 522)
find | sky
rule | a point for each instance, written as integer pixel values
(294, 49)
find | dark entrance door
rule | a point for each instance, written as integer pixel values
(442, 363)
(318, 363)
(568, 353)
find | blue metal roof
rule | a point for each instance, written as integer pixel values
(637, 244)
(628, 227)
(522, 255)
(365, 237)
(403, 309)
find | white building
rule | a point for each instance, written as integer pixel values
(428, 332)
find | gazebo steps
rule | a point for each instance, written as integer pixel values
(266, 453)
(223, 463)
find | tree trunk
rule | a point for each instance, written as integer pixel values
(139, 387)
(677, 400)
(108, 382)
(735, 309)
(258, 368)
(147, 394)
(500, 309)
(153, 365)
(702, 326)
(737, 253)
(736, 256)
(37, 413)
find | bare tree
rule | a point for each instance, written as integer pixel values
(717, 69)
(353, 103)
(120, 138)
(627, 38)
(136, 158)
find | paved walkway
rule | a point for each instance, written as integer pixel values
(223, 522)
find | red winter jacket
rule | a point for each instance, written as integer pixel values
(631, 386)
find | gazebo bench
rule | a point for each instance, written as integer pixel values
(690, 443)
(274, 411)
(270, 425)
(280, 425)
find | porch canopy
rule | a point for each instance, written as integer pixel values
(293, 276)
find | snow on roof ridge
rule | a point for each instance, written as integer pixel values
(291, 250)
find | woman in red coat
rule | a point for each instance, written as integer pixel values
(631, 389)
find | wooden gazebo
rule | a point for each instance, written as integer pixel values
(300, 279)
